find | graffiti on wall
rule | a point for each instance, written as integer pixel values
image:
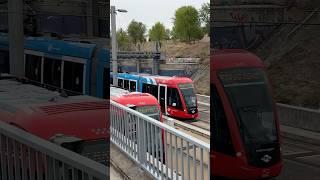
(240, 36)
(256, 15)
(244, 27)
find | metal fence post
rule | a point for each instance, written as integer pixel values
(141, 145)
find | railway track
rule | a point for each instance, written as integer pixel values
(301, 152)
(199, 127)
(301, 160)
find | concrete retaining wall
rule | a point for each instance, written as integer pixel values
(293, 116)
(165, 69)
(299, 117)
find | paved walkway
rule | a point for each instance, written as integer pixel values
(115, 175)
(124, 167)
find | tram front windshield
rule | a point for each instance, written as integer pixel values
(249, 95)
(187, 91)
(150, 110)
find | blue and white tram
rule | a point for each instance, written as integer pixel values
(76, 67)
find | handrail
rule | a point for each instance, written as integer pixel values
(163, 126)
(16, 140)
(161, 150)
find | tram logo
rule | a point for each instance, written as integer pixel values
(266, 158)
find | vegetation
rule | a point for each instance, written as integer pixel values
(187, 25)
(123, 39)
(157, 32)
(168, 34)
(136, 31)
(204, 14)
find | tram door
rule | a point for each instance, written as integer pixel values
(163, 97)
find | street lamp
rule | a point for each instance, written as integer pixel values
(114, 42)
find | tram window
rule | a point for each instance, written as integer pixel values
(151, 89)
(111, 80)
(106, 83)
(221, 141)
(33, 67)
(120, 83)
(4, 62)
(133, 86)
(73, 76)
(126, 84)
(173, 97)
(52, 72)
(146, 88)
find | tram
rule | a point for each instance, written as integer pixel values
(79, 123)
(141, 102)
(245, 135)
(175, 95)
(146, 104)
(77, 66)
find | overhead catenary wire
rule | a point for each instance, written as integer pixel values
(264, 22)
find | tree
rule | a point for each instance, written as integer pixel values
(204, 14)
(122, 39)
(136, 31)
(173, 34)
(187, 25)
(157, 32)
(168, 34)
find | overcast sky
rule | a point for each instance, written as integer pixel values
(150, 11)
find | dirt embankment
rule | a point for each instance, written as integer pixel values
(294, 61)
(199, 49)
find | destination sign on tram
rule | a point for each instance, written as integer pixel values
(147, 109)
(236, 76)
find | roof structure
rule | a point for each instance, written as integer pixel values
(16, 96)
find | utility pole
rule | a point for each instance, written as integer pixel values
(114, 46)
(114, 43)
(16, 37)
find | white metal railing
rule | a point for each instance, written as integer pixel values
(294, 116)
(299, 117)
(162, 151)
(24, 156)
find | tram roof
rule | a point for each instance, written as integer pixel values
(45, 113)
(125, 97)
(159, 79)
(54, 46)
(234, 58)
(16, 96)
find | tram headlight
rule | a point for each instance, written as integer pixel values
(238, 154)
